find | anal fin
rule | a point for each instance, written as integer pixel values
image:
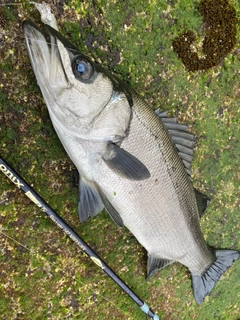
(155, 264)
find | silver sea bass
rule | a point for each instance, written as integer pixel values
(131, 161)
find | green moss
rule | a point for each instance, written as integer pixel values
(8, 14)
(43, 274)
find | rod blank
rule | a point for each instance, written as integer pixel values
(62, 224)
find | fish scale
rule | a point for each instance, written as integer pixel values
(163, 194)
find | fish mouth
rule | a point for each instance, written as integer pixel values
(46, 48)
(44, 54)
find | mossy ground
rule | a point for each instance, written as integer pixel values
(43, 274)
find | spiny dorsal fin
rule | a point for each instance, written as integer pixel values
(183, 140)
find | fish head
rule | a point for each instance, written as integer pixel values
(76, 90)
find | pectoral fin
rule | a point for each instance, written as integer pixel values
(125, 164)
(90, 203)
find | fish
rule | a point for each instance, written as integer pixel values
(133, 161)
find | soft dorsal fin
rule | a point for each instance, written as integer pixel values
(183, 140)
(202, 202)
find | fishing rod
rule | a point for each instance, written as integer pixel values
(61, 223)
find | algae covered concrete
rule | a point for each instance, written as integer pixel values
(43, 274)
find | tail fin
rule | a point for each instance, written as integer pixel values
(203, 285)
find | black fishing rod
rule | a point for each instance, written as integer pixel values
(36, 198)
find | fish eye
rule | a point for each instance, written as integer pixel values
(82, 69)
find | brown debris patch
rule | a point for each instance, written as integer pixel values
(220, 25)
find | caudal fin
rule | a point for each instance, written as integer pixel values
(203, 285)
